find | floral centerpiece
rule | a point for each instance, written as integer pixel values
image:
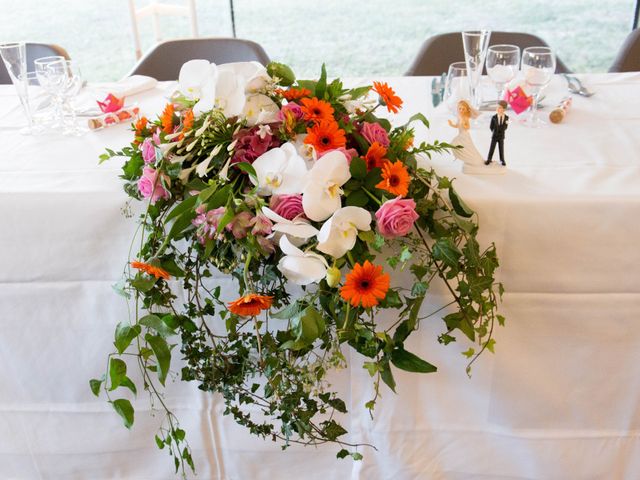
(308, 198)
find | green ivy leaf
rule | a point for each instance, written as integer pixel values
(124, 335)
(155, 323)
(342, 453)
(288, 312)
(490, 345)
(163, 355)
(333, 430)
(445, 251)
(117, 372)
(458, 204)
(128, 383)
(469, 353)
(95, 385)
(411, 363)
(356, 456)
(159, 442)
(387, 376)
(125, 410)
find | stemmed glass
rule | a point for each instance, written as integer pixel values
(475, 45)
(14, 57)
(538, 67)
(457, 86)
(52, 82)
(71, 84)
(503, 62)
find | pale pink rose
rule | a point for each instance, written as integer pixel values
(373, 132)
(148, 151)
(290, 110)
(287, 206)
(396, 217)
(350, 153)
(150, 185)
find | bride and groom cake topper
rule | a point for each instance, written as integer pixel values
(474, 162)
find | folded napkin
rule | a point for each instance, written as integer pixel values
(130, 85)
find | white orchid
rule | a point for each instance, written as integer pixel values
(321, 195)
(280, 171)
(302, 268)
(230, 96)
(305, 150)
(259, 108)
(197, 81)
(298, 228)
(226, 87)
(338, 234)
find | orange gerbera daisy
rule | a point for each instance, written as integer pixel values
(388, 96)
(187, 120)
(250, 305)
(316, 110)
(294, 93)
(141, 125)
(166, 119)
(365, 285)
(151, 270)
(375, 156)
(395, 178)
(326, 135)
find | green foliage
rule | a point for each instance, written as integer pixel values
(271, 370)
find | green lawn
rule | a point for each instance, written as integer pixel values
(354, 38)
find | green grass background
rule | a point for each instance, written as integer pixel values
(354, 38)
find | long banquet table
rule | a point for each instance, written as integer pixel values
(560, 398)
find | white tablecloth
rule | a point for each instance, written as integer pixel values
(560, 399)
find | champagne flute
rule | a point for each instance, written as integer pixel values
(51, 82)
(503, 62)
(71, 85)
(538, 67)
(457, 86)
(14, 57)
(475, 45)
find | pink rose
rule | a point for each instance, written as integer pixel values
(290, 110)
(287, 206)
(150, 185)
(373, 132)
(148, 151)
(350, 154)
(396, 217)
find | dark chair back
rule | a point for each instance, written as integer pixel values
(440, 51)
(163, 62)
(628, 58)
(34, 51)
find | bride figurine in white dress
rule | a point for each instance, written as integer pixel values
(469, 154)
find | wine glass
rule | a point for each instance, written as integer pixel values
(538, 67)
(14, 57)
(475, 45)
(457, 86)
(71, 85)
(503, 62)
(52, 83)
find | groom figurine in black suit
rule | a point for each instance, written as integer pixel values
(499, 123)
